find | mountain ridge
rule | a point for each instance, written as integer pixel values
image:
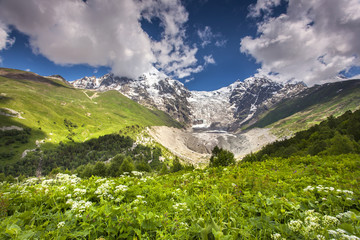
(227, 108)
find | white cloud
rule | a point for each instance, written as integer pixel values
(105, 33)
(28, 69)
(220, 43)
(262, 7)
(312, 42)
(207, 37)
(5, 41)
(209, 59)
(189, 80)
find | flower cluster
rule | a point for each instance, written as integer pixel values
(66, 178)
(342, 234)
(315, 222)
(121, 188)
(139, 200)
(61, 224)
(277, 236)
(180, 206)
(79, 192)
(136, 173)
(104, 190)
(79, 206)
(330, 221)
(321, 188)
(295, 225)
(347, 216)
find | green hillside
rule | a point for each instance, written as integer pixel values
(53, 111)
(333, 136)
(311, 107)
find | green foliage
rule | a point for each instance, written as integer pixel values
(333, 136)
(295, 198)
(127, 165)
(99, 169)
(76, 155)
(221, 157)
(176, 167)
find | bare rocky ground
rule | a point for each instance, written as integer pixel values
(195, 146)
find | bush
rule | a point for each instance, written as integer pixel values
(176, 165)
(221, 157)
(127, 165)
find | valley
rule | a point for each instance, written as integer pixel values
(195, 146)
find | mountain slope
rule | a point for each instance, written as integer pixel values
(311, 106)
(55, 112)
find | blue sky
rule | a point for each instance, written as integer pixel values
(206, 44)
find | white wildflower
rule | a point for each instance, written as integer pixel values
(295, 225)
(346, 216)
(276, 236)
(348, 192)
(330, 220)
(79, 192)
(320, 237)
(79, 206)
(341, 231)
(309, 212)
(309, 188)
(180, 206)
(311, 226)
(136, 173)
(121, 188)
(61, 224)
(104, 190)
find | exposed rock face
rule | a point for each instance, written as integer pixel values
(227, 108)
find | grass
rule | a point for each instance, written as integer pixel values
(295, 198)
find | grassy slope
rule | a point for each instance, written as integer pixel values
(45, 105)
(303, 112)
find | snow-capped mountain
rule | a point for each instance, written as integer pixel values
(227, 108)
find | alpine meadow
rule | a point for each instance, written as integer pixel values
(155, 119)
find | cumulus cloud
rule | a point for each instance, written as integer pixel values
(312, 42)
(209, 59)
(105, 33)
